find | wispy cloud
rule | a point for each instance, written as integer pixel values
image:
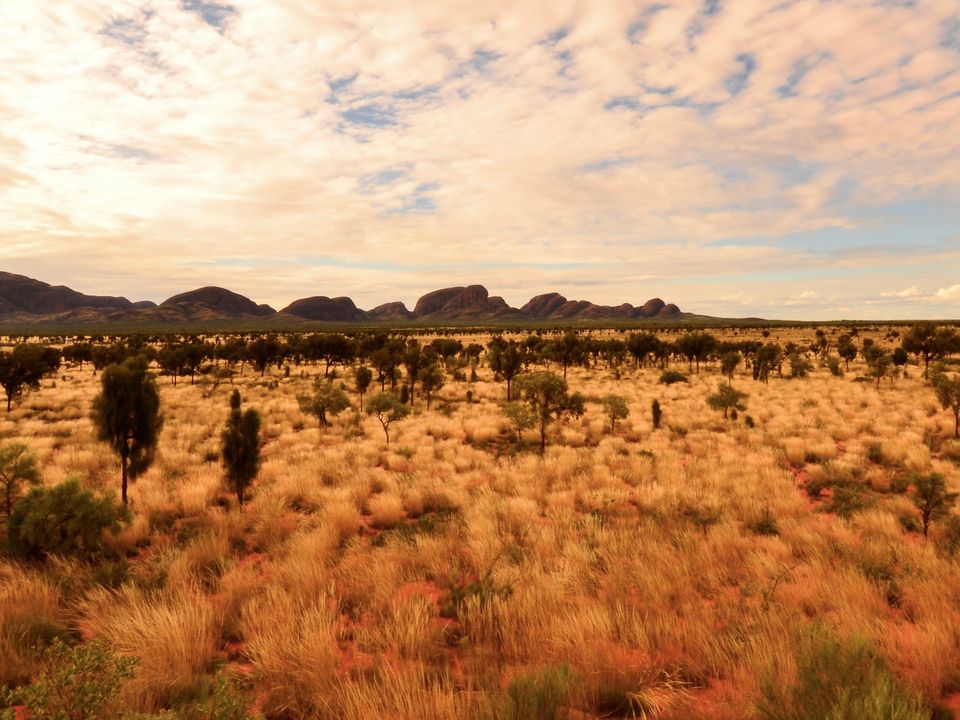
(702, 147)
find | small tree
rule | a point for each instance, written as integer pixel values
(846, 349)
(947, 388)
(879, 362)
(79, 682)
(729, 363)
(506, 360)
(362, 378)
(800, 367)
(240, 447)
(326, 398)
(727, 398)
(17, 466)
(24, 367)
(614, 407)
(521, 415)
(431, 380)
(126, 414)
(64, 520)
(546, 394)
(931, 498)
(656, 414)
(387, 410)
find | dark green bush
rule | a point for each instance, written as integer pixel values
(669, 377)
(540, 694)
(838, 680)
(64, 520)
(75, 683)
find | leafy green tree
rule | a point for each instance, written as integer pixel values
(64, 520)
(431, 380)
(767, 358)
(846, 349)
(387, 410)
(643, 345)
(696, 347)
(24, 367)
(78, 682)
(929, 341)
(507, 359)
(326, 398)
(126, 414)
(800, 367)
(362, 378)
(614, 407)
(567, 350)
(546, 394)
(931, 498)
(727, 398)
(656, 414)
(728, 364)
(947, 388)
(413, 361)
(262, 352)
(240, 445)
(17, 466)
(521, 415)
(879, 362)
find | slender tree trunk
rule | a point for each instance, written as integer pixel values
(9, 400)
(123, 477)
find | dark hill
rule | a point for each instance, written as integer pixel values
(21, 294)
(216, 299)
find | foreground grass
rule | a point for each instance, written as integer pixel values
(677, 573)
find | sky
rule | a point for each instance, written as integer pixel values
(795, 159)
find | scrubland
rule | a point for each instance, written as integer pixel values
(690, 571)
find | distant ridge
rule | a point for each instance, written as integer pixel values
(28, 301)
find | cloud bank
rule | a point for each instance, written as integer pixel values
(738, 157)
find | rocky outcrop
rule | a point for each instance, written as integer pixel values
(24, 299)
(21, 294)
(325, 309)
(472, 302)
(218, 300)
(390, 311)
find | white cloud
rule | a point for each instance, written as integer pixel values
(949, 293)
(141, 145)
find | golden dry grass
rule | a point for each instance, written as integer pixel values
(417, 581)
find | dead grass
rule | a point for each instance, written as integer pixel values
(417, 580)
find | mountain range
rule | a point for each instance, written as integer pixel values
(24, 300)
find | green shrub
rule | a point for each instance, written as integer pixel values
(669, 377)
(540, 694)
(75, 683)
(838, 681)
(766, 524)
(65, 520)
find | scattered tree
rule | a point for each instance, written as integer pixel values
(729, 363)
(362, 378)
(615, 407)
(931, 498)
(546, 394)
(24, 367)
(727, 398)
(521, 415)
(388, 410)
(64, 520)
(947, 388)
(846, 349)
(18, 466)
(327, 397)
(240, 447)
(506, 360)
(431, 380)
(126, 414)
(656, 414)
